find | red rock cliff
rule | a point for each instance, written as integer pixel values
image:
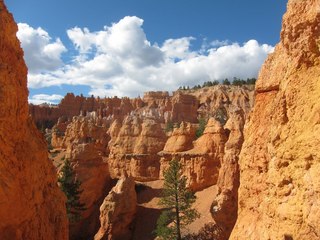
(279, 194)
(31, 206)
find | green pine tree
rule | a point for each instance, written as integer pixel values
(71, 188)
(177, 200)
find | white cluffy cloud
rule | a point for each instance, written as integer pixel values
(40, 52)
(119, 60)
(45, 98)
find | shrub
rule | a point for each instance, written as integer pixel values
(210, 231)
(169, 127)
(201, 127)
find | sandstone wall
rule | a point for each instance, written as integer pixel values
(133, 148)
(201, 159)
(279, 194)
(225, 206)
(86, 143)
(31, 206)
(117, 212)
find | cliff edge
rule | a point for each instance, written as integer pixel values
(279, 194)
(31, 206)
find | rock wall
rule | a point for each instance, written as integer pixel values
(201, 159)
(32, 206)
(134, 146)
(117, 212)
(225, 206)
(279, 194)
(86, 143)
(181, 106)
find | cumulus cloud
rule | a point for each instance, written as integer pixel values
(178, 48)
(124, 41)
(41, 53)
(45, 98)
(119, 60)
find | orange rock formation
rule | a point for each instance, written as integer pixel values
(134, 147)
(86, 141)
(32, 206)
(127, 138)
(279, 194)
(225, 206)
(201, 163)
(117, 211)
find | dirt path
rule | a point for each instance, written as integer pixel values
(149, 211)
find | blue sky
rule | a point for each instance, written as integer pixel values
(126, 47)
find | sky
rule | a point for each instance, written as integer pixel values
(127, 47)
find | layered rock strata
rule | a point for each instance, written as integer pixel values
(134, 146)
(201, 158)
(181, 106)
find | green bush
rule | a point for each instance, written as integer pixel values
(210, 231)
(201, 127)
(169, 127)
(221, 115)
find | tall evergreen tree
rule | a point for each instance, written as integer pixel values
(71, 188)
(177, 200)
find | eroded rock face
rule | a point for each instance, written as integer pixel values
(225, 206)
(134, 146)
(201, 163)
(32, 206)
(117, 211)
(184, 108)
(221, 101)
(86, 141)
(181, 138)
(279, 193)
(130, 136)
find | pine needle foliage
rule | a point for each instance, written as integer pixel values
(177, 200)
(71, 188)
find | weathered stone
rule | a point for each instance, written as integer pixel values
(117, 212)
(32, 206)
(86, 142)
(279, 192)
(225, 206)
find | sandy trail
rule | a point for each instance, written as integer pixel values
(149, 211)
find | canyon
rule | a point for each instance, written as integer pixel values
(137, 138)
(250, 153)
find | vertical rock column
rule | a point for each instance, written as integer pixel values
(224, 208)
(31, 205)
